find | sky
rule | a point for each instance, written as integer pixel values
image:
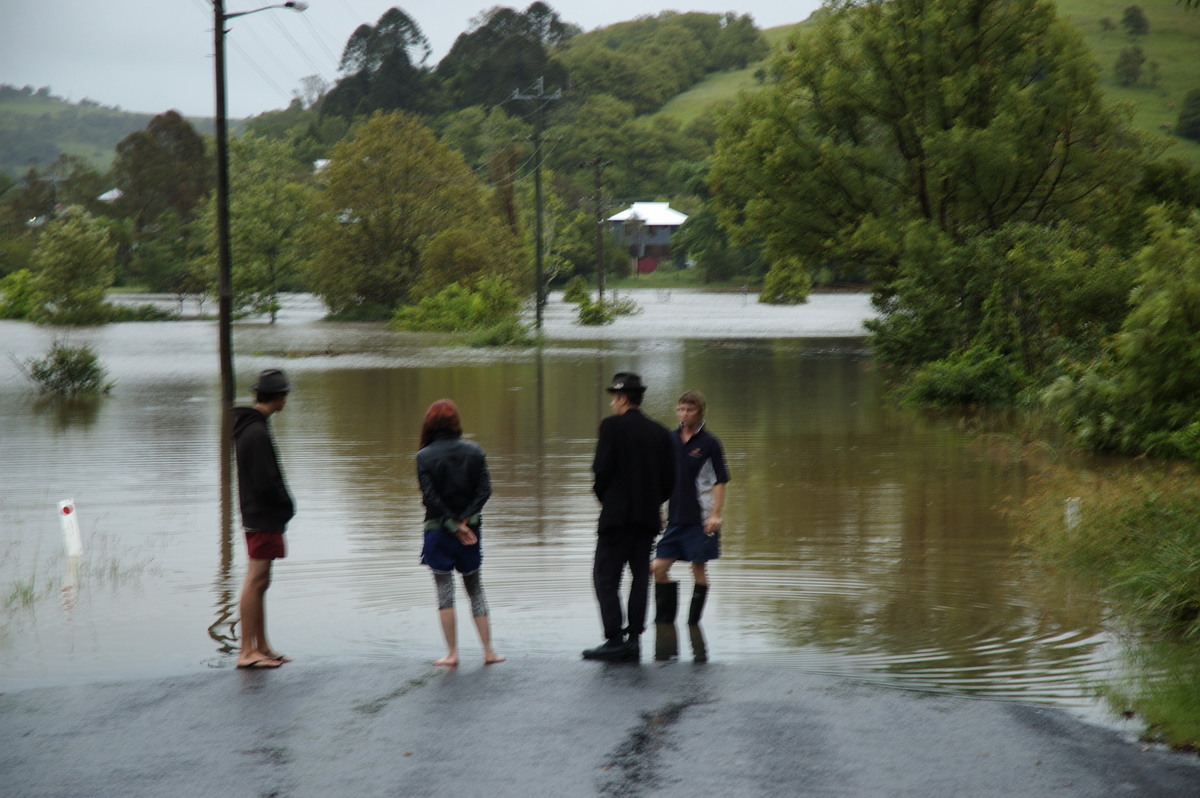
(151, 56)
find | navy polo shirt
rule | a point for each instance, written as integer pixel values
(699, 465)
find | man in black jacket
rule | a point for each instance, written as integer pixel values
(266, 506)
(635, 473)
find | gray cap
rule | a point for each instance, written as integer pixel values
(271, 381)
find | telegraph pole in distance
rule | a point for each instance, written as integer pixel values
(543, 98)
(598, 164)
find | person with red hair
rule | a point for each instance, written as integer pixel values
(455, 485)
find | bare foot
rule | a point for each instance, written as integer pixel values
(282, 659)
(493, 658)
(450, 660)
(256, 660)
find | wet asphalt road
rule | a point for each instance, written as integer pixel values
(546, 727)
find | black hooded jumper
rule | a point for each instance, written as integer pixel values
(262, 493)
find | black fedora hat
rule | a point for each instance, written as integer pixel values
(271, 381)
(626, 382)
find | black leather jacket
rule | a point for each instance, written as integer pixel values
(454, 480)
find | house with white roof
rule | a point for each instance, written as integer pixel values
(646, 229)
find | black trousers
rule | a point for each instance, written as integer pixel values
(616, 548)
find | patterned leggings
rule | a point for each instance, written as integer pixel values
(444, 581)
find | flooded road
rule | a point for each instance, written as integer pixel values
(860, 539)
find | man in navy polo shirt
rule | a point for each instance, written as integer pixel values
(694, 515)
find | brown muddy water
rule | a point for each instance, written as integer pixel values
(860, 538)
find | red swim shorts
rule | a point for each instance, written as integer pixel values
(265, 545)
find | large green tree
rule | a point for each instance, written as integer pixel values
(73, 267)
(384, 68)
(957, 115)
(270, 202)
(163, 167)
(505, 50)
(401, 215)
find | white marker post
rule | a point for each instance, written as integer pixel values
(1072, 512)
(72, 540)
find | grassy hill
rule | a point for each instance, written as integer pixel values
(721, 86)
(1173, 44)
(36, 126)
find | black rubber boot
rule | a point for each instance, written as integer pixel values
(699, 593)
(666, 601)
(699, 647)
(666, 642)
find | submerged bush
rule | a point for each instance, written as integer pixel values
(490, 305)
(979, 376)
(17, 296)
(510, 332)
(490, 312)
(576, 290)
(787, 283)
(605, 311)
(68, 371)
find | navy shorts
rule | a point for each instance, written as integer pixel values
(688, 542)
(445, 552)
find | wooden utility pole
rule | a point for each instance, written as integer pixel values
(540, 97)
(598, 164)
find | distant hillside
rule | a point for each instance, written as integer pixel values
(36, 126)
(1172, 50)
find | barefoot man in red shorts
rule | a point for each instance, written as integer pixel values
(267, 507)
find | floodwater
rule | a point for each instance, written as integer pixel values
(860, 538)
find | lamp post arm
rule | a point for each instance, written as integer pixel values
(298, 6)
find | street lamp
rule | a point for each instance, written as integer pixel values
(224, 283)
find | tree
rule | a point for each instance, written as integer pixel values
(1142, 397)
(395, 197)
(162, 167)
(384, 69)
(73, 267)
(504, 50)
(1134, 21)
(270, 203)
(1188, 126)
(942, 117)
(1128, 69)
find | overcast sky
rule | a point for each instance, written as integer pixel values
(155, 55)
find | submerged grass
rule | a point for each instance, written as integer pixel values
(1137, 532)
(1162, 688)
(1134, 531)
